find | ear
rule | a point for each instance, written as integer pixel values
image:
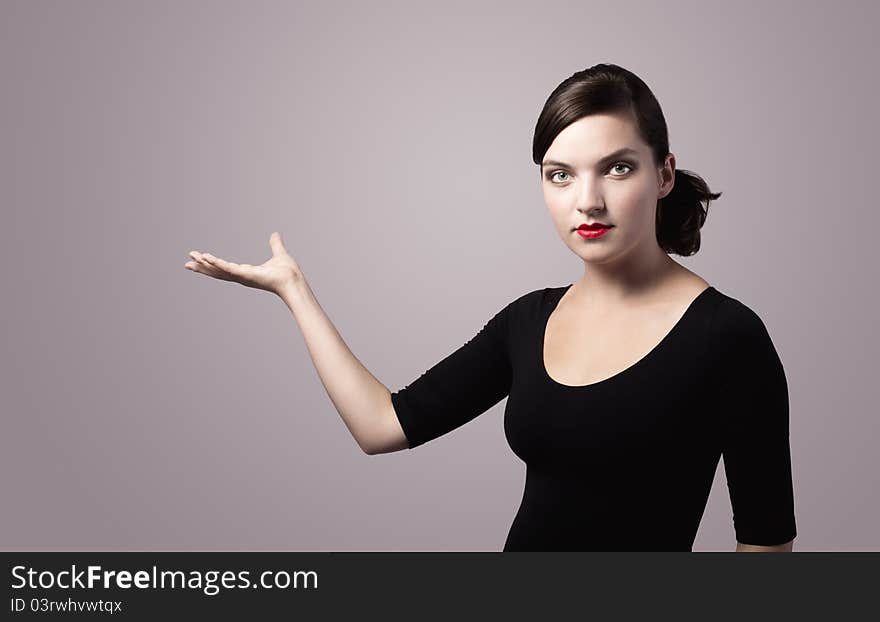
(667, 176)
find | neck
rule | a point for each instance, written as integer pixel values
(625, 280)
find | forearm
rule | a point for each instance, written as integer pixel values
(753, 548)
(359, 398)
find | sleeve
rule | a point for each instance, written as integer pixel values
(755, 428)
(460, 387)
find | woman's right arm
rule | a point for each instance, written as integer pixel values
(361, 400)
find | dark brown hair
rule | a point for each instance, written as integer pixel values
(607, 88)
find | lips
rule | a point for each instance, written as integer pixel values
(594, 226)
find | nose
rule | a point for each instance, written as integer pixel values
(588, 199)
(592, 212)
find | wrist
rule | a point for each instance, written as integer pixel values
(293, 290)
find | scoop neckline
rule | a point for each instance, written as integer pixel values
(651, 353)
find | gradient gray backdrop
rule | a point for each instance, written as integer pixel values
(147, 407)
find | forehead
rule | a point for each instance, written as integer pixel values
(590, 138)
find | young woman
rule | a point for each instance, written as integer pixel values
(624, 388)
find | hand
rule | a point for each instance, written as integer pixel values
(272, 276)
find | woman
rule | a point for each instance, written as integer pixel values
(624, 388)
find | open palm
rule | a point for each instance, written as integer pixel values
(271, 276)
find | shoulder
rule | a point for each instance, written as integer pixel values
(734, 319)
(740, 335)
(525, 310)
(751, 375)
(531, 301)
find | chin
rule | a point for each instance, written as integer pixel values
(593, 255)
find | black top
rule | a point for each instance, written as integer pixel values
(626, 463)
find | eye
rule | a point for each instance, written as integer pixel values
(629, 166)
(616, 164)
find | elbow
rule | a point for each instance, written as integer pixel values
(367, 448)
(372, 446)
(386, 436)
(369, 442)
(387, 448)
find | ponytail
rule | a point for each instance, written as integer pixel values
(681, 213)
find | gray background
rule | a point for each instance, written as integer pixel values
(146, 407)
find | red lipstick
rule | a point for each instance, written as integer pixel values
(593, 230)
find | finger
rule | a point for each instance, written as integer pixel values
(195, 266)
(276, 244)
(223, 265)
(200, 258)
(207, 267)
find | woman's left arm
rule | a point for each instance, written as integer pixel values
(753, 548)
(754, 412)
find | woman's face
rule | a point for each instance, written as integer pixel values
(582, 186)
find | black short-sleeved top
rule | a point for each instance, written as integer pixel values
(626, 463)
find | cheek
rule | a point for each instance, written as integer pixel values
(635, 204)
(632, 193)
(559, 213)
(553, 202)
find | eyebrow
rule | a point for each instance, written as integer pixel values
(610, 156)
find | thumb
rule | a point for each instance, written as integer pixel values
(276, 244)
